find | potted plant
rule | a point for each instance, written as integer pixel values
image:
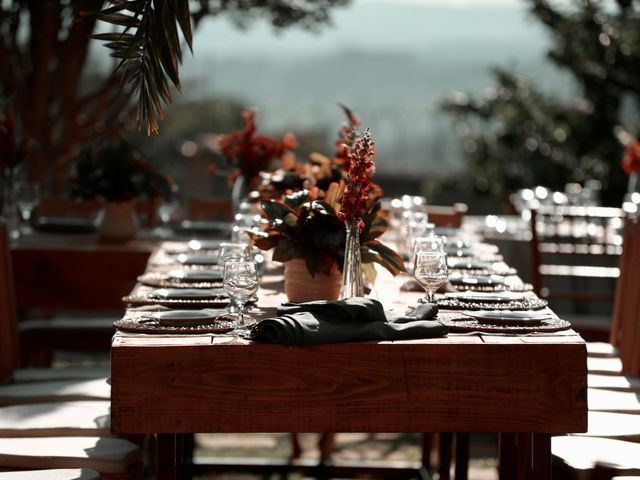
(306, 233)
(250, 153)
(113, 171)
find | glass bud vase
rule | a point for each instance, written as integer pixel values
(352, 281)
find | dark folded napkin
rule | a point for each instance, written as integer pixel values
(351, 320)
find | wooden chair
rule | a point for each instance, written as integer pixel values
(67, 207)
(52, 474)
(209, 209)
(48, 409)
(50, 280)
(113, 458)
(574, 262)
(447, 216)
(614, 386)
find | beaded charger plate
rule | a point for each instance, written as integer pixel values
(485, 271)
(469, 324)
(521, 287)
(166, 280)
(452, 303)
(146, 297)
(154, 322)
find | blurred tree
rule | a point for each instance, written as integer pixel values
(43, 50)
(517, 137)
(43, 53)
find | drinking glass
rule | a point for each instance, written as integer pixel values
(430, 270)
(240, 281)
(27, 199)
(233, 251)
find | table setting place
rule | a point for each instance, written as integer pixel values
(474, 294)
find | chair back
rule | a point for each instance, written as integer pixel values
(625, 327)
(447, 216)
(575, 252)
(209, 209)
(8, 320)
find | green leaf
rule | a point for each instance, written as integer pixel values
(388, 258)
(312, 259)
(286, 250)
(275, 210)
(295, 200)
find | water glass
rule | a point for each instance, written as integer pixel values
(27, 197)
(430, 271)
(233, 251)
(240, 281)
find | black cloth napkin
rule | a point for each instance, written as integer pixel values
(351, 320)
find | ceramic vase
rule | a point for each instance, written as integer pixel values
(117, 222)
(300, 286)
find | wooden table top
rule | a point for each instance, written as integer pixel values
(459, 383)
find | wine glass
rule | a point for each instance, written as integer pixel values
(233, 251)
(27, 199)
(430, 270)
(240, 280)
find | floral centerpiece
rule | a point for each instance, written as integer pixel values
(114, 171)
(631, 165)
(111, 170)
(249, 153)
(311, 225)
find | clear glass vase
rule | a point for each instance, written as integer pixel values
(352, 280)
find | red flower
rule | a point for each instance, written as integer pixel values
(251, 153)
(631, 158)
(344, 144)
(361, 167)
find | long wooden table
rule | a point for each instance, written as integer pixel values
(526, 388)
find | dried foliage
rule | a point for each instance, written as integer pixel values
(149, 45)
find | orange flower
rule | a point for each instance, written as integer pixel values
(631, 158)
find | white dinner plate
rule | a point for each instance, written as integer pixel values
(469, 264)
(510, 317)
(204, 244)
(187, 293)
(486, 296)
(197, 259)
(480, 280)
(188, 317)
(196, 275)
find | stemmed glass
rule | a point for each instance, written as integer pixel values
(430, 271)
(240, 280)
(27, 199)
(233, 251)
(428, 243)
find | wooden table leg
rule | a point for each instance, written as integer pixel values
(523, 456)
(446, 444)
(427, 445)
(166, 458)
(541, 456)
(507, 442)
(462, 456)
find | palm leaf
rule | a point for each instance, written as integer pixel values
(149, 50)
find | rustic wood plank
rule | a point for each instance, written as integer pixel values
(402, 386)
(75, 279)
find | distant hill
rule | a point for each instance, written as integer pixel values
(392, 62)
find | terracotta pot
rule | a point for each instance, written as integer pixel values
(300, 286)
(117, 222)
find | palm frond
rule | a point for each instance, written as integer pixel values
(149, 50)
